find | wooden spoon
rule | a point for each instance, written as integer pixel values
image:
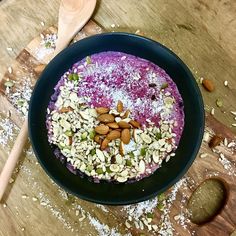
(73, 15)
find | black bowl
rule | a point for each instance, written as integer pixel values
(164, 177)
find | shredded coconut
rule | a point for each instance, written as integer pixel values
(7, 128)
(230, 167)
(166, 228)
(137, 210)
(21, 96)
(47, 46)
(103, 229)
(44, 201)
(103, 208)
(9, 49)
(42, 52)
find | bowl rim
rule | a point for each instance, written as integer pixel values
(183, 170)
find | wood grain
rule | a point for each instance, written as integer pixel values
(192, 34)
(218, 17)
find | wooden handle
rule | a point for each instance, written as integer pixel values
(13, 158)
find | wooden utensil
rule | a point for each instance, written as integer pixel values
(73, 15)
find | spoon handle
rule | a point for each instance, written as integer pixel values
(60, 45)
(13, 158)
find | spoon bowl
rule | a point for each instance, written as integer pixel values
(73, 15)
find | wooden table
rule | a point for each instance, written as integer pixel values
(202, 33)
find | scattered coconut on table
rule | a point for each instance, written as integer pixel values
(7, 131)
(21, 96)
(9, 49)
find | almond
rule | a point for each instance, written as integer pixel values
(113, 125)
(98, 139)
(169, 140)
(125, 136)
(39, 68)
(122, 149)
(215, 141)
(114, 134)
(208, 85)
(104, 144)
(102, 129)
(120, 106)
(102, 110)
(126, 114)
(70, 140)
(135, 123)
(124, 125)
(65, 109)
(106, 118)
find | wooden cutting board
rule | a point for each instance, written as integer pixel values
(76, 215)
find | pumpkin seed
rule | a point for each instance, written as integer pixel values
(20, 102)
(219, 102)
(93, 152)
(69, 133)
(150, 215)
(84, 136)
(164, 85)
(99, 171)
(108, 170)
(143, 151)
(47, 45)
(131, 154)
(89, 168)
(158, 136)
(128, 163)
(92, 134)
(73, 77)
(9, 84)
(160, 206)
(88, 60)
(161, 197)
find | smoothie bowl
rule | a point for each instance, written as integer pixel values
(116, 119)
